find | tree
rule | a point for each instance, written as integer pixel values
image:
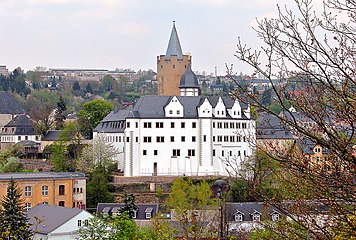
(130, 206)
(98, 188)
(92, 113)
(43, 116)
(12, 215)
(100, 154)
(191, 203)
(60, 109)
(316, 47)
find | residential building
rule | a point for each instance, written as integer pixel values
(4, 71)
(171, 66)
(18, 130)
(143, 215)
(54, 223)
(67, 189)
(9, 108)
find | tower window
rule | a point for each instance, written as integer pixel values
(174, 66)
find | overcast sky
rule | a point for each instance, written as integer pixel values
(113, 34)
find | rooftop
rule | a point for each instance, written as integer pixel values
(40, 175)
(174, 48)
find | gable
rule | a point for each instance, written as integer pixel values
(174, 108)
(205, 109)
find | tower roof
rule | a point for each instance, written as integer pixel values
(174, 48)
(189, 79)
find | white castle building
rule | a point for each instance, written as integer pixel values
(181, 135)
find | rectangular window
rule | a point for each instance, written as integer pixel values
(213, 125)
(219, 125)
(244, 125)
(147, 139)
(239, 153)
(136, 124)
(159, 124)
(144, 152)
(178, 112)
(147, 125)
(182, 124)
(183, 138)
(128, 124)
(238, 125)
(232, 125)
(28, 191)
(27, 206)
(191, 152)
(232, 138)
(213, 152)
(136, 139)
(176, 152)
(204, 138)
(79, 223)
(245, 153)
(238, 138)
(222, 153)
(220, 138)
(155, 152)
(170, 112)
(230, 153)
(226, 138)
(194, 125)
(172, 138)
(44, 190)
(160, 139)
(226, 125)
(213, 138)
(172, 124)
(127, 139)
(193, 139)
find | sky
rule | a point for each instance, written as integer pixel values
(109, 34)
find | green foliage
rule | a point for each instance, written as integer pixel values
(98, 189)
(12, 165)
(12, 215)
(130, 206)
(92, 113)
(60, 158)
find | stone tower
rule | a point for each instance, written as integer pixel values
(170, 67)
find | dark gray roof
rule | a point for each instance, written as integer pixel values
(174, 48)
(40, 175)
(270, 126)
(9, 105)
(52, 217)
(52, 135)
(29, 143)
(308, 145)
(249, 208)
(20, 121)
(143, 208)
(152, 107)
(189, 79)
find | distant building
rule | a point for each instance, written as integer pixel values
(66, 189)
(9, 108)
(4, 71)
(56, 222)
(171, 66)
(19, 129)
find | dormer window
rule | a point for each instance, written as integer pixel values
(170, 111)
(178, 112)
(275, 217)
(256, 216)
(148, 212)
(238, 218)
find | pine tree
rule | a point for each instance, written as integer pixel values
(14, 222)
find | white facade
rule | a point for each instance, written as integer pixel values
(66, 231)
(193, 136)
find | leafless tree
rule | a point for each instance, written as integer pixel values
(314, 48)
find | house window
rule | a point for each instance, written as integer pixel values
(144, 152)
(45, 190)
(222, 153)
(232, 125)
(238, 218)
(204, 138)
(182, 124)
(127, 139)
(28, 191)
(238, 125)
(219, 125)
(61, 203)
(159, 124)
(148, 212)
(19, 138)
(191, 152)
(176, 152)
(194, 125)
(170, 111)
(26, 137)
(79, 223)
(213, 125)
(172, 138)
(27, 206)
(183, 138)
(174, 66)
(128, 124)
(178, 112)
(136, 125)
(256, 217)
(213, 152)
(275, 217)
(193, 139)
(244, 125)
(226, 125)
(160, 139)
(61, 189)
(172, 124)
(147, 139)
(213, 138)
(136, 139)
(155, 152)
